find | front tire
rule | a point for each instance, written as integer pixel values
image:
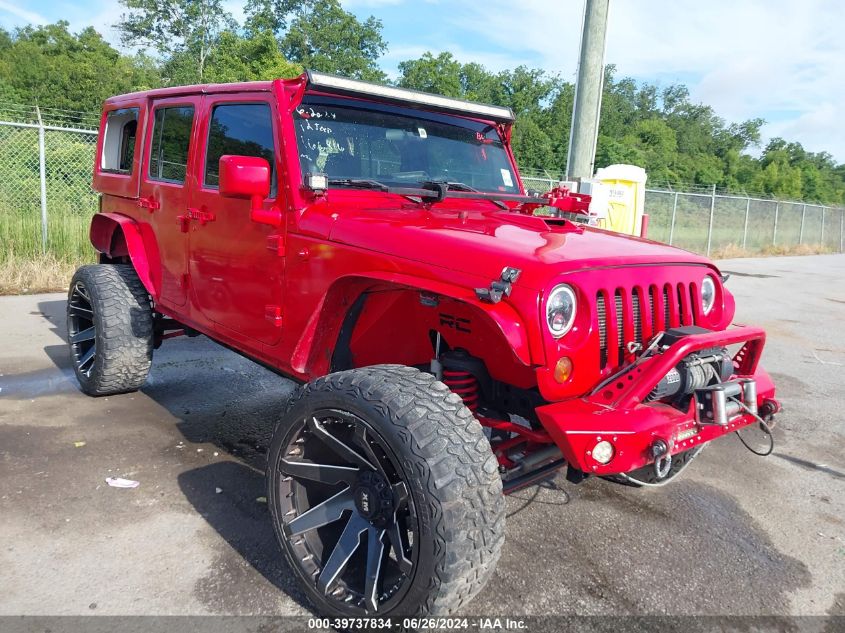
(110, 329)
(384, 494)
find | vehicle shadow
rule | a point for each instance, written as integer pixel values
(54, 313)
(45, 380)
(811, 465)
(216, 397)
(241, 521)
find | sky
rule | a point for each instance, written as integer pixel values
(781, 60)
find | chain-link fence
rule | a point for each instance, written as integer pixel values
(540, 182)
(46, 200)
(721, 223)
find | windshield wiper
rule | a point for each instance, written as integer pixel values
(463, 188)
(358, 183)
(437, 189)
(414, 194)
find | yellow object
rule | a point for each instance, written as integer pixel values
(79, 444)
(625, 188)
(563, 369)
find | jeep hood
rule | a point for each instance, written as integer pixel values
(481, 243)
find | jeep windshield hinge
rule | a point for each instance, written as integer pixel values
(500, 287)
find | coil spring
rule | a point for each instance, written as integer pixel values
(465, 385)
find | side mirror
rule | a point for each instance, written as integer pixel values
(244, 177)
(249, 177)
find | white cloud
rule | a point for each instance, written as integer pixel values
(491, 60)
(107, 15)
(746, 59)
(818, 129)
(30, 17)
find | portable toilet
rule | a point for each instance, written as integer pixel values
(625, 187)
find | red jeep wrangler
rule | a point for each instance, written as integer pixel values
(455, 337)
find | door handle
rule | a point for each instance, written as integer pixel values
(149, 203)
(202, 215)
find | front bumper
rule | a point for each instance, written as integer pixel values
(618, 412)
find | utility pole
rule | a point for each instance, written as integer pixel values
(580, 161)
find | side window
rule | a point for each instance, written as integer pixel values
(244, 129)
(119, 141)
(170, 142)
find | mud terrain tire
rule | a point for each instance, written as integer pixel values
(110, 329)
(433, 444)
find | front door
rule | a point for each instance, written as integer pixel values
(168, 152)
(236, 265)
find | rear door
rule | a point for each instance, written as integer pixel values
(237, 265)
(165, 186)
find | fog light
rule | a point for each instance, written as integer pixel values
(563, 369)
(603, 452)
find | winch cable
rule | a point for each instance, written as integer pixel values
(659, 484)
(644, 355)
(764, 426)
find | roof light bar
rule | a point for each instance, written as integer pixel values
(333, 83)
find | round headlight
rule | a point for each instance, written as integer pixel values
(708, 294)
(560, 310)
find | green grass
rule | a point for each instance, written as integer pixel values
(67, 236)
(25, 268)
(33, 274)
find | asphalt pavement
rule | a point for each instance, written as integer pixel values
(737, 534)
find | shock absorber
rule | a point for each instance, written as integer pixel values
(459, 379)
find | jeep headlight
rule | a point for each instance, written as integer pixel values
(560, 310)
(708, 294)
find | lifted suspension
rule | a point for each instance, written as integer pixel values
(525, 455)
(165, 328)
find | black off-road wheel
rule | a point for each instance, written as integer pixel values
(110, 329)
(384, 494)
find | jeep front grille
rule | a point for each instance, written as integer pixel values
(637, 320)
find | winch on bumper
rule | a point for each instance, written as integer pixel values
(678, 395)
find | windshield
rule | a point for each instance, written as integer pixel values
(348, 139)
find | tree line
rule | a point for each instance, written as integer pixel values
(678, 141)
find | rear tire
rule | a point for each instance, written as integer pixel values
(110, 329)
(352, 438)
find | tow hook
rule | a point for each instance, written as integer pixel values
(662, 459)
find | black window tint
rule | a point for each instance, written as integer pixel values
(242, 129)
(171, 139)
